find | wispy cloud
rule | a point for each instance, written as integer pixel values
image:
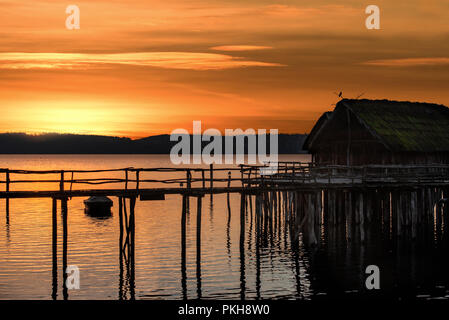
(240, 48)
(169, 60)
(408, 62)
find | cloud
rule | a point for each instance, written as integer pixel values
(169, 60)
(408, 62)
(240, 48)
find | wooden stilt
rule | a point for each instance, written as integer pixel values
(348, 211)
(361, 213)
(7, 198)
(54, 249)
(198, 246)
(183, 248)
(64, 246)
(132, 223)
(120, 208)
(399, 213)
(414, 213)
(242, 247)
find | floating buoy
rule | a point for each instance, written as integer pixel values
(98, 206)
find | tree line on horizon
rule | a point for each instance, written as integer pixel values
(54, 143)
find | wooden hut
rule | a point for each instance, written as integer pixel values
(364, 131)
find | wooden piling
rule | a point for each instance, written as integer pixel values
(64, 244)
(203, 179)
(211, 176)
(7, 198)
(198, 245)
(183, 247)
(242, 247)
(54, 249)
(414, 212)
(348, 213)
(132, 224)
(126, 180)
(120, 210)
(137, 179)
(361, 215)
(399, 213)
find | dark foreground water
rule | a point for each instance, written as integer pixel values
(268, 266)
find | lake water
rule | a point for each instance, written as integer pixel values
(279, 269)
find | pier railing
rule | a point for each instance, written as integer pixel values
(224, 177)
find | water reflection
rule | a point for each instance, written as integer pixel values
(333, 267)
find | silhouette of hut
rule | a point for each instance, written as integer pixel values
(365, 131)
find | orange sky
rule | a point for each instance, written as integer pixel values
(137, 68)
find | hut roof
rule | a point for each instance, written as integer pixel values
(402, 125)
(317, 128)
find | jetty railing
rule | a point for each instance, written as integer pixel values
(242, 175)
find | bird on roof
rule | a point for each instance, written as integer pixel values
(340, 95)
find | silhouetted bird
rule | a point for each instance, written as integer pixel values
(340, 95)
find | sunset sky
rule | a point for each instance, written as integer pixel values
(137, 68)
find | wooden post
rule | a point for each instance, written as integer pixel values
(126, 180)
(394, 213)
(242, 247)
(61, 182)
(257, 240)
(7, 198)
(348, 211)
(386, 210)
(446, 206)
(360, 215)
(132, 225)
(203, 179)
(137, 179)
(228, 197)
(319, 207)
(198, 246)
(183, 247)
(189, 186)
(189, 179)
(54, 249)
(399, 213)
(64, 243)
(332, 207)
(120, 213)
(369, 206)
(310, 220)
(414, 212)
(211, 176)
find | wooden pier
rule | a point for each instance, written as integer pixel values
(299, 196)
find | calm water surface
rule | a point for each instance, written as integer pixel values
(278, 269)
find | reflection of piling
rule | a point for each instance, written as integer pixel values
(127, 248)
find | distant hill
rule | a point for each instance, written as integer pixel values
(21, 143)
